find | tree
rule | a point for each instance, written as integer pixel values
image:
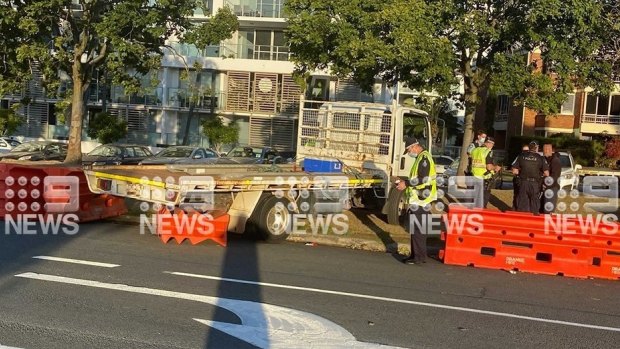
(220, 134)
(107, 128)
(125, 37)
(9, 121)
(221, 27)
(433, 44)
(612, 150)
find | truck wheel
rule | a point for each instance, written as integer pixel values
(274, 219)
(396, 206)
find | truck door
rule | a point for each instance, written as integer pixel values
(412, 123)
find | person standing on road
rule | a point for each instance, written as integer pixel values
(531, 167)
(478, 142)
(420, 192)
(516, 181)
(484, 168)
(551, 183)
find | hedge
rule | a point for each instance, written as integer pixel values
(584, 152)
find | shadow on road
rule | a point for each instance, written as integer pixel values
(240, 262)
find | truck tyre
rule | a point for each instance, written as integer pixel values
(395, 206)
(274, 219)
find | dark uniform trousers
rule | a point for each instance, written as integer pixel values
(417, 216)
(516, 181)
(529, 195)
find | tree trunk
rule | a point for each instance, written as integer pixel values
(74, 149)
(467, 139)
(471, 98)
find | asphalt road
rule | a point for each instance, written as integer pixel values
(151, 295)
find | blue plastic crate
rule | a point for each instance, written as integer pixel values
(322, 165)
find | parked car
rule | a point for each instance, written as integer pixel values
(182, 155)
(37, 150)
(7, 144)
(442, 162)
(117, 154)
(255, 155)
(569, 177)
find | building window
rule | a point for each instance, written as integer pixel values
(502, 108)
(568, 108)
(503, 105)
(603, 105)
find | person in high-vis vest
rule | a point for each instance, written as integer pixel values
(483, 167)
(420, 193)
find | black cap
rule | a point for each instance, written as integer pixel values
(534, 143)
(409, 141)
(490, 140)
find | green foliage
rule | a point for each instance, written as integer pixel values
(432, 44)
(107, 128)
(585, 152)
(220, 134)
(9, 122)
(125, 38)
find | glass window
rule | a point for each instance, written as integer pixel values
(29, 147)
(175, 152)
(569, 105)
(211, 154)
(503, 105)
(129, 152)
(140, 152)
(615, 105)
(278, 39)
(603, 105)
(591, 104)
(105, 151)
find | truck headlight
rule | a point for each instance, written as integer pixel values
(27, 157)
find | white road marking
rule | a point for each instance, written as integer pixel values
(402, 301)
(5, 347)
(77, 261)
(263, 325)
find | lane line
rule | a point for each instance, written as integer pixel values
(77, 261)
(402, 301)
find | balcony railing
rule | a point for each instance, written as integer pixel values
(257, 8)
(602, 119)
(259, 52)
(501, 117)
(180, 98)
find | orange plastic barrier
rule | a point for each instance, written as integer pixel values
(530, 243)
(22, 191)
(194, 226)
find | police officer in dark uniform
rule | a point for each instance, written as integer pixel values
(530, 167)
(551, 184)
(516, 181)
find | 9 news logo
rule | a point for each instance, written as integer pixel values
(41, 207)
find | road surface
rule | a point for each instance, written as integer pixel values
(110, 287)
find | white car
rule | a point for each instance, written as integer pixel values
(570, 171)
(442, 162)
(6, 144)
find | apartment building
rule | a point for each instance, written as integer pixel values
(583, 114)
(247, 79)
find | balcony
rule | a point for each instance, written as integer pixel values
(257, 8)
(180, 98)
(258, 52)
(501, 117)
(609, 124)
